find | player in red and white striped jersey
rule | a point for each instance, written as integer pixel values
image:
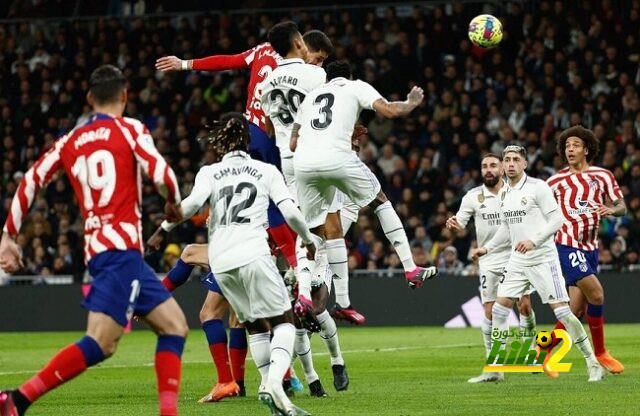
(104, 159)
(583, 191)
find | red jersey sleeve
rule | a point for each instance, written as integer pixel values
(151, 161)
(225, 62)
(36, 177)
(612, 188)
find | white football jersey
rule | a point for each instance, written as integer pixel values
(484, 207)
(283, 91)
(524, 209)
(326, 119)
(239, 189)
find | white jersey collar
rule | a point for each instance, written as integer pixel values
(520, 183)
(236, 153)
(291, 61)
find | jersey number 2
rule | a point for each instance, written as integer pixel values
(576, 258)
(231, 213)
(96, 172)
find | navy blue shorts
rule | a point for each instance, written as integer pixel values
(209, 281)
(123, 285)
(577, 264)
(262, 147)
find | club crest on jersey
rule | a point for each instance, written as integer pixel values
(583, 267)
(593, 184)
(481, 198)
(523, 201)
(503, 195)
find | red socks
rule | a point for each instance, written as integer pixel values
(221, 360)
(596, 326)
(168, 368)
(556, 341)
(65, 365)
(238, 358)
(286, 242)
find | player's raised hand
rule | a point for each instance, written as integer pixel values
(359, 130)
(453, 224)
(476, 253)
(415, 96)
(10, 255)
(524, 246)
(156, 239)
(169, 63)
(311, 250)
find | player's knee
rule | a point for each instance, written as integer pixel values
(176, 326)
(597, 298)
(213, 308)
(524, 308)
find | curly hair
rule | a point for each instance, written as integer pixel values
(228, 134)
(588, 138)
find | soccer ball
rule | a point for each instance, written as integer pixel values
(544, 339)
(485, 31)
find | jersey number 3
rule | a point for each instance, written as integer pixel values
(231, 213)
(325, 101)
(96, 172)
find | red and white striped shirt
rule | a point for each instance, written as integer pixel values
(261, 60)
(103, 159)
(578, 195)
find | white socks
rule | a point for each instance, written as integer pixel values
(338, 261)
(500, 318)
(393, 229)
(576, 330)
(304, 270)
(260, 346)
(302, 348)
(486, 334)
(281, 352)
(528, 323)
(329, 334)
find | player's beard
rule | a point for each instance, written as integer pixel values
(490, 182)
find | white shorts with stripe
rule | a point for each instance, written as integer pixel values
(546, 278)
(489, 282)
(317, 188)
(255, 290)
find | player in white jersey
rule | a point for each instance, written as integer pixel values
(324, 161)
(238, 190)
(530, 218)
(483, 205)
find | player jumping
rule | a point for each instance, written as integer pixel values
(324, 161)
(530, 218)
(103, 160)
(581, 190)
(483, 204)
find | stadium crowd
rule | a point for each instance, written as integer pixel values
(525, 91)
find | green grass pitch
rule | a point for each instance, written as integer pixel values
(394, 371)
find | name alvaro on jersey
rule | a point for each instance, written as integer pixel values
(284, 79)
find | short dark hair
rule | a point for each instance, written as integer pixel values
(588, 138)
(338, 69)
(317, 40)
(106, 84)
(281, 37)
(493, 155)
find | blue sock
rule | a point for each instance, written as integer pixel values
(215, 331)
(91, 350)
(180, 273)
(238, 338)
(170, 343)
(595, 310)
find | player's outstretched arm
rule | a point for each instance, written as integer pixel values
(293, 143)
(399, 108)
(209, 63)
(36, 177)
(501, 237)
